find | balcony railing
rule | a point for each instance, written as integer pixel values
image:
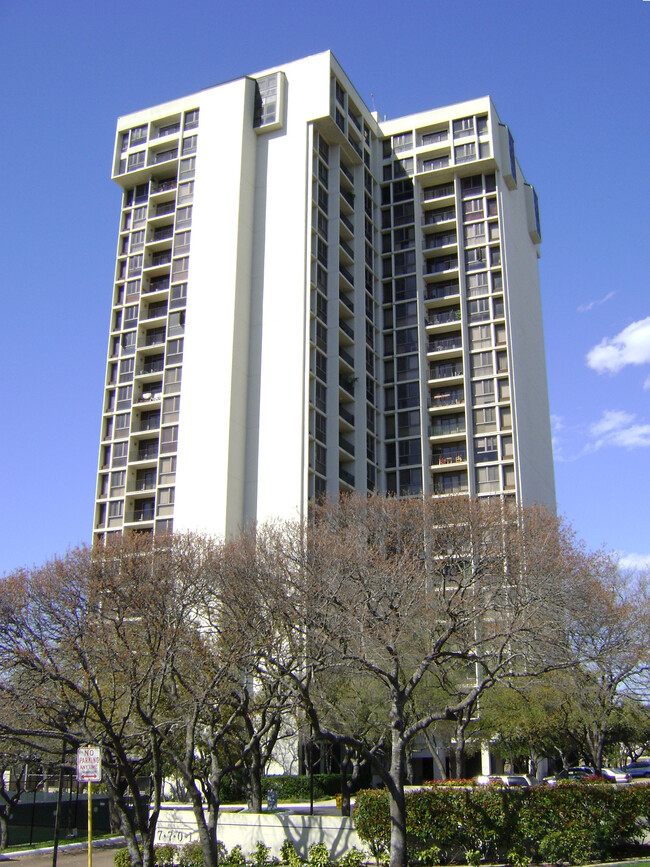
(444, 318)
(345, 476)
(345, 328)
(432, 218)
(347, 301)
(347, 415)
(444, 345)
(441, 430)
(453, 398)
(347, 274)
(456, 457)
(442, 371)
(347, 223)
(163, 186)
(346, 445)
(348, 249)
(444, 290)
(439, 192)
(433, 165)
(432, 242)
(437, 266)
(346, 356)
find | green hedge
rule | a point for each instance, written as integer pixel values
(297, 788)
(569, 822)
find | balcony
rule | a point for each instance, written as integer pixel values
(449, 456)
(445, 345)
(451, 398)
(346, 445)
(157, 284)
(439, 266)
(347, 248)
(346, 476)
(346, 415)
(163, 156)
(162, 258)
(443, 215)
(444, 371)
(434, 164)
(441, 191)
(147, 453)
(346, 357)
(156, 366)
(163, 186)
(447, 317)
(434, 242)
(435, 291)
(347, 223)
(345, 272)
(345, 328)
(441, 430)
(347, 301)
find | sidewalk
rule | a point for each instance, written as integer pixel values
(68, 855)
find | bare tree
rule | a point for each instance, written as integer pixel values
(445, 596)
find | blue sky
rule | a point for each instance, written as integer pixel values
(571, 79)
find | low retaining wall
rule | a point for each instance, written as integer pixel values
(176, 824)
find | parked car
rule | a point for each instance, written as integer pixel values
(583, 769)
(638, 769)
(503, 779)
(571, 775)
(615, 775)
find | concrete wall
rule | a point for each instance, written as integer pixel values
(177, 825)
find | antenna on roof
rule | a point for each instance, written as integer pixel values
(372, 98)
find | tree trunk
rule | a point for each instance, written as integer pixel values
(345, 783)
(398, 852)
(459, 754)
(254, 764)
(3, 831)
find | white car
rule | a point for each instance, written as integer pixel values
(615, 775)
(638, 769)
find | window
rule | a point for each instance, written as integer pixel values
(485, 419)
(485, 449)
(430, 138)
(178, 295)
(138, 134)
(184, 216)
(482, 125)
(409, 452)
(406, 314)
(475, 234)
(192, 118)
(404, 238)
(495, 255)
(173, 380)
(402, 142)
(169, 439)
(116, 509)
(180, 266)
(506, 447)
(185, 190)
(506, 418)
(181, 242)
(405, 262)
(189, 144)
(406, 340)
(487, 479)
(122, 422)
(135, 161)
(465, 153)
(473, 209)
(135, 265)
(483, 391)
(481, 363)
(407, 367)
(139, 215)
(504, 390)
(266, 100)
(167, 470)
(463, 127)
(479, 310)
(124, 394)
(165, 501)
(408, 423)
(187, 167)
(477, 284)
(118, 483)
(175, 351)
(120, 451)
(320, 427)
(137, 240)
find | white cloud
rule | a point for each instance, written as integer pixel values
(635, 561)
(646, 383)
(618, 428)
(629, 346)
(585, 308)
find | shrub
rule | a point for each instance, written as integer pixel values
(191, 855)
(261, 856)
(575, 845)
(289, 855)
(122, 858)
(473, 857)
(318, 855)
(165, 856)
(235, 857)
(352, 858)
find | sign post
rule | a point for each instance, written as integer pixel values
(89, 770)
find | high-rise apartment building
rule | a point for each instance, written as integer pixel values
(310, 300)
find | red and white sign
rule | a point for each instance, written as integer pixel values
(89, 765)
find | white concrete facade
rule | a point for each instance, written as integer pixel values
(307, 300)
